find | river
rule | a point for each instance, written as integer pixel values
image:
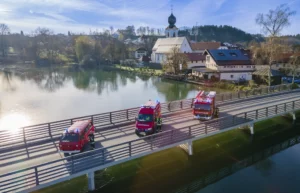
(48, 95)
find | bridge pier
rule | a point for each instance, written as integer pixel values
(91, 181)
(187, 147)
(251, 127)
(190, 147)
(294, 116)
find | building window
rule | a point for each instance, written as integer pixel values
(231, 76)
(208, 58)
(233, 54)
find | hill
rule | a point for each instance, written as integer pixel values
(222, 33)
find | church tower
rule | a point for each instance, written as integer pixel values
(171, 30)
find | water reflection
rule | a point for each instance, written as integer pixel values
(13, 122)
(52, 94)
(7, 82)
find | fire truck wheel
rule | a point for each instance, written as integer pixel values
(66, 154)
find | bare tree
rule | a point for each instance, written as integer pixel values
(268, 53)
(111, 30)
(4, 30)
(43, 42)
(273, 22)
(174, 59)
(295, 63)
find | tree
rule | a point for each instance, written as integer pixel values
(98, 52)
(174, 59)
(111, 30)
(295, 63)
(272, 23)
(276, 20)
(268, 53)
(84, 48)
(43, 43)
(4, 30)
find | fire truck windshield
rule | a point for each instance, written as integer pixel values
(70, 137)
(145, 117)
(205, 107)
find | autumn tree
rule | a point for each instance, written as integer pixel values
(4, 30)
(174, 59)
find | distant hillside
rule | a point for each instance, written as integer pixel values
(222, 33)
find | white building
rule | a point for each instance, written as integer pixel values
(232, 65)
(164, 45)
(140, 52)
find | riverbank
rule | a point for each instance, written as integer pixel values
(170, 169)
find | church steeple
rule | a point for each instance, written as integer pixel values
(171, 30)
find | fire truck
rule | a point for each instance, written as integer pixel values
(204, 106)
(149, 120)
(75, 137)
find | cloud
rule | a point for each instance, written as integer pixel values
(83, 15)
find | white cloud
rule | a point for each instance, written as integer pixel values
(59, 15)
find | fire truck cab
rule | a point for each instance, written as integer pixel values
(76, 137)
(204, 106)
(148, 120)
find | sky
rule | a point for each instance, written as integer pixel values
(84, 15)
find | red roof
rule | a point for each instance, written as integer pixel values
(195, 56)
(80, 125)
(205, 45)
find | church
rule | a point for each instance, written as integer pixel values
(163, 45)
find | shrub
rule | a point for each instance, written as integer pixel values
(295, 86)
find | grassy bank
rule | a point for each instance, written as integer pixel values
(168, 170)
(141, 70)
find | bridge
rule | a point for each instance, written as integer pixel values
(30, 159)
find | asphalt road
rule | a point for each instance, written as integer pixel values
(27, 157)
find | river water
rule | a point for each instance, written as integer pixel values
(44, 96)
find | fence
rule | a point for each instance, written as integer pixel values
(226, 171)
(47, 132)
(80, 164)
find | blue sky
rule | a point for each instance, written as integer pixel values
(83, 15)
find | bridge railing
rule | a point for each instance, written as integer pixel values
(108, 156)
(47, 132)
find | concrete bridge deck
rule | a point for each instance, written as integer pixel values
(112, 135)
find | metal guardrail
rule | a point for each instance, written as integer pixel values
(47, 132)
(101, 158)
(226, 171)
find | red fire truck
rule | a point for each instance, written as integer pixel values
(149, 118)
(76, 137)
(204, 107)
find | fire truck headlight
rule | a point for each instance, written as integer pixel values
(76, 145)
(149, 129)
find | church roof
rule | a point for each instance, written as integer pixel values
(163, 45)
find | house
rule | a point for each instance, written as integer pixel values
(234, 65)
(164, 45)
(283, 65)
(200, 47)
(140, 52)
(195, 60)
